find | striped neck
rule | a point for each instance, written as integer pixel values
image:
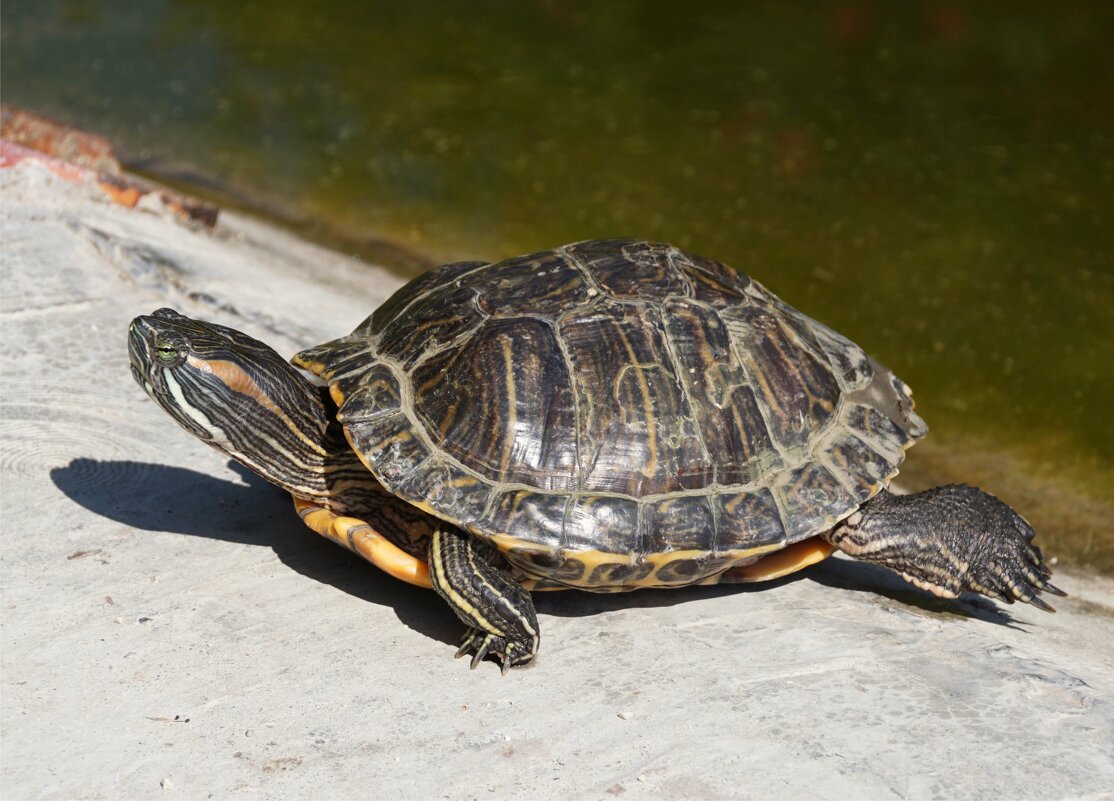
(239, 396)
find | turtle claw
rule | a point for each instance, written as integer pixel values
(1016, 571)
(486, 644)
(481, 652)
(469, 641)
(1039, 604)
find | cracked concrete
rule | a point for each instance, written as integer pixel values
(171, 629)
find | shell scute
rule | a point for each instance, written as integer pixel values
(447, 490)
(749, 520)
(529, 516)
(442, 316)
(377, 392)
(858, 465)
(619, 573)
(712, 282)
(798, 391)
(846, 357)
(417, 289)
(630, 269)
(637, 432)
(722, 401)
(812, 500)
(545, 283)
(877, 430)
(390, 446)
(684, 570)
(680, 523)
(347, 358)
(517, 420)
(540, 561)
(602, 523)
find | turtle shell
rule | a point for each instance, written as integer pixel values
(616, 413)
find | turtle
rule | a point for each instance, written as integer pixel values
(606, 416)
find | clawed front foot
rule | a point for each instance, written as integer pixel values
(484, 643)
(477, 586)
(950, 540)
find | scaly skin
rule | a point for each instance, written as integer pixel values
(949, 540)
(498, 612)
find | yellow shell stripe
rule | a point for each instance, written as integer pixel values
(512, 404)
(649, 469)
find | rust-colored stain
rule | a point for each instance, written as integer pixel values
(82, 157)
(57, 139)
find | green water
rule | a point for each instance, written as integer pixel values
(934, 179)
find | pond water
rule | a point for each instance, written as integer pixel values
(933, 179)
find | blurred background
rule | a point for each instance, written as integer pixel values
(933, 179)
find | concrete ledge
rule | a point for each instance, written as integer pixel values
(171, 629)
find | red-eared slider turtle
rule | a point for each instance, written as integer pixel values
(609, 415)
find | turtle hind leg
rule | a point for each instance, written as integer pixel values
(499, 613)
(949, 540)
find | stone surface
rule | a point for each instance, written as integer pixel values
(170, 628)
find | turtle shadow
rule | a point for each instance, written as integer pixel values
(155, 497)
(863, 577)
(841, 573)
(579, 603)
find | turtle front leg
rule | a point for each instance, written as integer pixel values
(949, 540)
(499, 613)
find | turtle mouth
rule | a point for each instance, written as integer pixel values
(141, 334)
(137, 343)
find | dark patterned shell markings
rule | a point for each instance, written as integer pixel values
(616, 413)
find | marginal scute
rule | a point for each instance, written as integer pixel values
(688, 570)
(748, 520)
(848, 358)
(914, 425)
(502, 403)
(874, 428)
(812, 500)
(389, 447)
(376, 392)
(447, 490)
(529, 516)
(618, 573)
(539, 561)
(602, 523)
(859, 465)
(680, 523)
(347, 355)
(630, 269)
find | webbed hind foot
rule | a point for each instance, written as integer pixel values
(950, 540)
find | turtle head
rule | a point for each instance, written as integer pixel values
(236, 394)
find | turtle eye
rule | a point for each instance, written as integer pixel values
(166, 353)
